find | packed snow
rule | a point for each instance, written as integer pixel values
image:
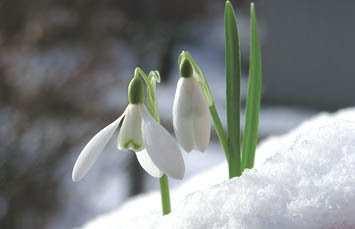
(303, 179)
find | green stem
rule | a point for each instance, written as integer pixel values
(222, 137)
(233, 75)
(221, 134)
(152, 106)
(165, 195)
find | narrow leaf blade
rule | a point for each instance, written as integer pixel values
(250, 136)
(233, 75)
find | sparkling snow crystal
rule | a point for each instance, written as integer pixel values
(304, 179)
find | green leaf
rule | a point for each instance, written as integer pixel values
(233, 75)
(250, 137)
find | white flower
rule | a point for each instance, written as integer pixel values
(156, 150)
(191, 118)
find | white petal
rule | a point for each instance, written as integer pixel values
(162, 148)
(202, 131)
(147, 164)
(130, 135)
(201, 119)
(191, 118)
(93, 149)
(182, 120)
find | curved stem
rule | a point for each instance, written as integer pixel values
(152, 106)
(221, 134)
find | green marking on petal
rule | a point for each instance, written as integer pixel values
(132, 145)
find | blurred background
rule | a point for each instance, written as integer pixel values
(64, 71)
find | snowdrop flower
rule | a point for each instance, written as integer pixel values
(156, 150)
(191, 118)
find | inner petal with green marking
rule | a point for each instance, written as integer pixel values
(130, 135)
(132, 145)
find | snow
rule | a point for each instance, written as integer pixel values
(303, 179)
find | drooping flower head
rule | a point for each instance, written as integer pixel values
(191, 118)
(136, 130)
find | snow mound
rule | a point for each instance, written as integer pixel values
(303, 179)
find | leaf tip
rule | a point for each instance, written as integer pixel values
(252, 8)
(228, 5)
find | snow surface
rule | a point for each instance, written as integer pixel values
(303, 179)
